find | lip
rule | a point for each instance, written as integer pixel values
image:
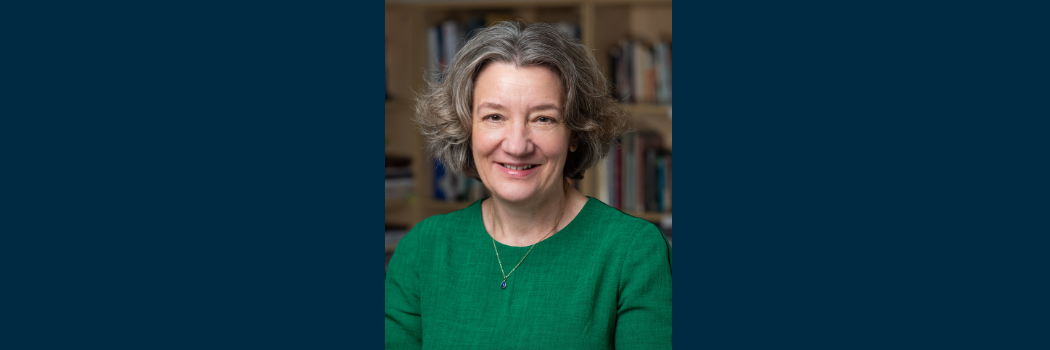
(517, 173)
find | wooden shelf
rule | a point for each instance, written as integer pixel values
(652, 117)
(396, 203)
(648, 109)
(399, 218)
(445, 207)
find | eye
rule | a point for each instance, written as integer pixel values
(545, 119)
(493, 117)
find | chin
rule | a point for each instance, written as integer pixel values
(513, 196)
(514, 193)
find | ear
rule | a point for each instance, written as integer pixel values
(573, 144)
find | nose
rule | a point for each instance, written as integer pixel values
(518, 140)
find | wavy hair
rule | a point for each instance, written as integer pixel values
(443, 111)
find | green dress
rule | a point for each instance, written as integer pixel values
(602, 282)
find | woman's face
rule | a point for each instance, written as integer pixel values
(520, 140)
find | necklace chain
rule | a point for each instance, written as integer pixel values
(495, 220)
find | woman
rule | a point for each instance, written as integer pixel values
(538, 265)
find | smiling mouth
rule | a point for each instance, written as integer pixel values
(524, 167)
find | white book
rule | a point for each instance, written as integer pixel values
(639, 73)
(601, 175)
(663, 81)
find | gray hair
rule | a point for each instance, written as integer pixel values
(443, 111)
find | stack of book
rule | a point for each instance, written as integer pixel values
(641, 73)
(446, 38)
(637, 174)
(393, 236)
(450, 187)
(399, 183)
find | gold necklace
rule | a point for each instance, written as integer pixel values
(495, 219)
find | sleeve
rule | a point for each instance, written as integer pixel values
(404, 328)
(643, 317)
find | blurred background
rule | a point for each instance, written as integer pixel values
(631, 40)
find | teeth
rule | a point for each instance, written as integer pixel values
(518, 167)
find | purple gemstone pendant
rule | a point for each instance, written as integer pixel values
(503, 285)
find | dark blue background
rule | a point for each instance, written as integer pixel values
(193, 176)
(851, 176)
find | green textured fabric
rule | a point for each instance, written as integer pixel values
(602, 282)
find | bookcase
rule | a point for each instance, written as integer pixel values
(600, 24)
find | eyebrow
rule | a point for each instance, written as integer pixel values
(497, 106)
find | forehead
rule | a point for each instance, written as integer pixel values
(505, 83)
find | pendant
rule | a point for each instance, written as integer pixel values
(503, 285)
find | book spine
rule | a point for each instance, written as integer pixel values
(651, 180)
(626, 91)
(660, 65)
(627, 201)
(665, 78)
(602, 178)
(615, 56)
(670, 77)
(617, 174)
(661, 184)
(639, 173)
(639, 73)
(449, 37)
(473, 25)
(650, 75)
(668, 192)
(434, 48)
(439, 177)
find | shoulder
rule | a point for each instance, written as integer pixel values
(636, 243)
(437, 231)
(457, 218)
(444, 224)
(619, 226)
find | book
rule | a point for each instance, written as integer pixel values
(667, 187)
(638, 70)
(628, 169)
(474, 24)
(662, 66)
(617, 191)
(624, 72)
(397, 188)
(450, 187)
(646, 144)
(433, 48)
(398, 166)
(398, 174)
(636, 175)
(601, 179)
(572, 30)
(661, 181)
(450, 35)
(640, 73)
(615, 55)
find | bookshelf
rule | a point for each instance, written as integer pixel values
(601, 24)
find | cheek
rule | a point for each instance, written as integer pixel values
(556, 145)
(483, 142)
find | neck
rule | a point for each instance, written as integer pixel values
(522, 225)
